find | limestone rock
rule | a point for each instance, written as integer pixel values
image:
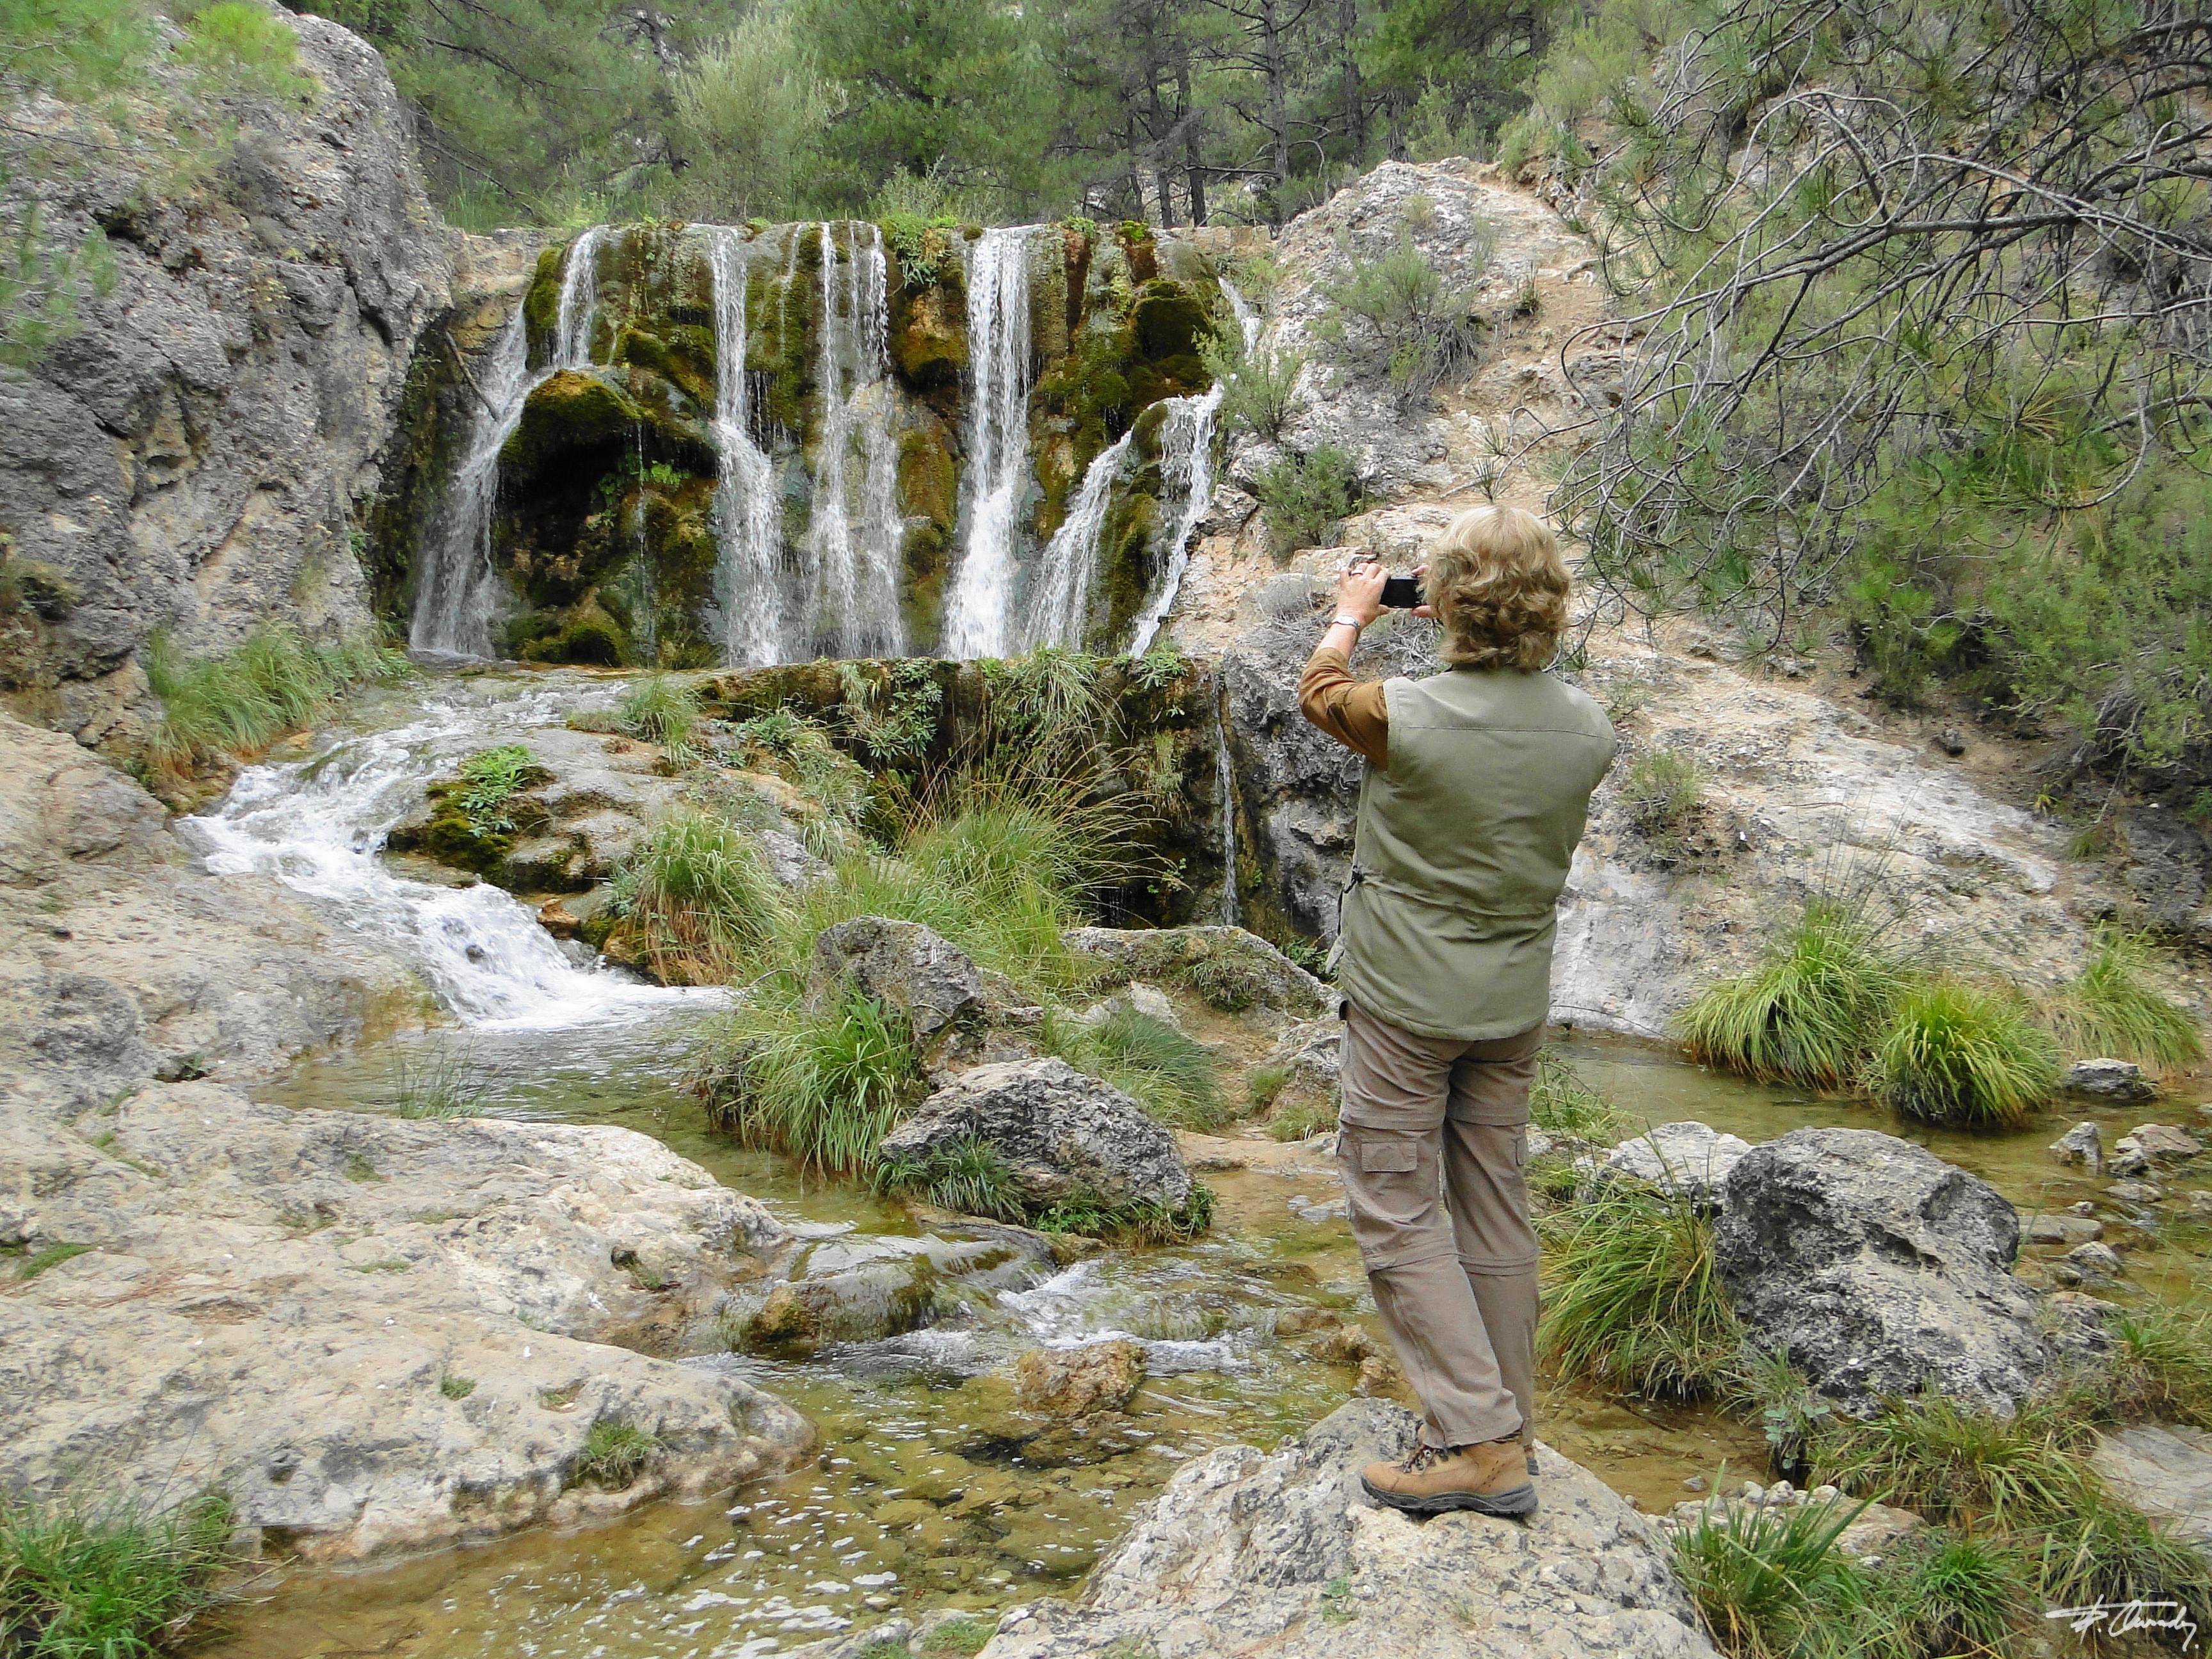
(904, 966)
(2088, 1264)
(2165, 1469)
(1879, 1269)
(1280, 1556)
(860, 1290)
(1230, 968)
(1310, 1056)
(2083, 1144)
(2162, 1144)
(376, 1334)
(1690, 1158)
(1070, 1382)
(2117, 1080)
(2133, 1192)
(2068, 1230)
(1063, 1134)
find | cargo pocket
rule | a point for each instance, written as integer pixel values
(1396, 1156)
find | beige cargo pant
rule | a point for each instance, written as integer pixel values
(1434, 1135)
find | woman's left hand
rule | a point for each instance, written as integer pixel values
(1423, 609)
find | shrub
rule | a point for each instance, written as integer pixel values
(1810, 1013)
(239, 45)
(969, 1177)
(658, 709)
(824, 1086)
(442, 1084)
(1304, 498)
(616, 1452)
(1955, 1052)
(2109, 1009)
(238, 703)
(1561, 1103)
(1662, 794)
(1396, 313)
(83, 1580)
(1258, 386)
(1175, 1079)
(1633, 1296)
(693, 897)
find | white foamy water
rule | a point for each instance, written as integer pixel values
(1060, 597)
(1186, 467)
(748, 508)
(978, 609)
(318, 826)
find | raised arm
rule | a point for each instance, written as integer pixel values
(1352, 713)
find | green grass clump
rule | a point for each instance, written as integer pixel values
(1175, 1079)
(1663, 795)
(1632, 1294)
(1812, 1008)
(616, 1452)
(663, 711)
(456, 1388)
(693, 898)
(442, 1084)
(83, 1580)
(1561, 1103)
(824, 1085)
(239, 703)
(2111, 1010)
(1956, 1053)
(49, 1256)
(969, 1177)
(1093, 1217)
(2161, 1363)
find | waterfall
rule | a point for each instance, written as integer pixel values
(580, 302)
(977, 611)
(1060, 595)
(748, 511)
(853, 586)
(1187, 464)
(317, 825)
(1249, 324)
(1225, 784)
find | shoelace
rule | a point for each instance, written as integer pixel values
(1421, 1457)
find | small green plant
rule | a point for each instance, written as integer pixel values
(1663, 796)
(2162, 1364)
(1633, 1296)
(241, 701)
(1957, 1053)
(1092, 1217)
(1761, 1577)
(1562, 1103)
(85, 1580)
(1259, 386)
(1174, 1079)
(960, 1637)
(390, 1264)
(1396, 313)
(442, 1084)
(824, 1086)
(659, 709)
(490, 779)
(241, 45)
(1304, 498)
(970, 1177)
(358, 1168)
(616, 1452)
(49, 1256)
(456, 1388)
(1337, 1605)
(693, 897)
(1301, 1118)
(2111, 1009)
(1811, 1011)
(1263, 1084)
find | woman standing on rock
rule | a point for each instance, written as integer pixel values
(1478, 785)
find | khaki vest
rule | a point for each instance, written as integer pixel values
(1463, 845)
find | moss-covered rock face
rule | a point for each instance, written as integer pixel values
(613, 531)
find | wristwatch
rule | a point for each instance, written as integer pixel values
(1342, 621)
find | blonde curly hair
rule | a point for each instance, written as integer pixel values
(1499, 586)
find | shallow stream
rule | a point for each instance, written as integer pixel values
(912, 1501)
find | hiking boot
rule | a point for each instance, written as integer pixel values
(1492, 1479)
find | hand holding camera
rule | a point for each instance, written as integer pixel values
(1365, 590)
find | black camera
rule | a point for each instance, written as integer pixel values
(1400, 592)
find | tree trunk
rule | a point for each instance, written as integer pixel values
(1192, 147)
(1355, 118)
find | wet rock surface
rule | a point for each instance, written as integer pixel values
(1279, 1555)
(2117, 1080)
(1688, 1159)
(1064, 1135)
(1879, 1270)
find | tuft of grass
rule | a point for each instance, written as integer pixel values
(358, 1168)
(969, 1177)
(1092, 1217)
(1228, 980)
(491, 778)
(443, 1085)
(962, 1638)
(658, 709)
(1175, 1079)
(456, 1388)
(824, 1085)
(1662, 794)
(694, 898)
(2111, 1009)
(2162, 1363)
(50, 1256)
(1961, 1053)
(616, 1452)
(239, 703)
(1811, 1011)
(109, 1581)
(1562, 1103)
(1633, 1296)
(1304, 1117)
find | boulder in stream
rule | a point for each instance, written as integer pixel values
(1077, 1382)
(1879, 1270)
(2120, 1081)
(862, 1289)
(906, 966)
(1063, 1135)
(1279, 1556)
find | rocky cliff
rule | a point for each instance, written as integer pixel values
(195, 457)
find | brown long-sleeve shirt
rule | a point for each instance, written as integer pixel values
(1353, 712)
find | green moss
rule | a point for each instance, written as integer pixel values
(569, 412)
(1170, 321)
(929, 337)
(541, 303)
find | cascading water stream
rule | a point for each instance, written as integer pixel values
(1225, 784)
(1060, 594)
(977, 611)
(459, 597)
(318, 826)
(1185, 464)
(853, 591)
(1249, 323)
(748, 510)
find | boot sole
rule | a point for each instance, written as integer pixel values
(1515, 1503)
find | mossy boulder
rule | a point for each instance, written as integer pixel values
(568, 411)
(929, 337)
